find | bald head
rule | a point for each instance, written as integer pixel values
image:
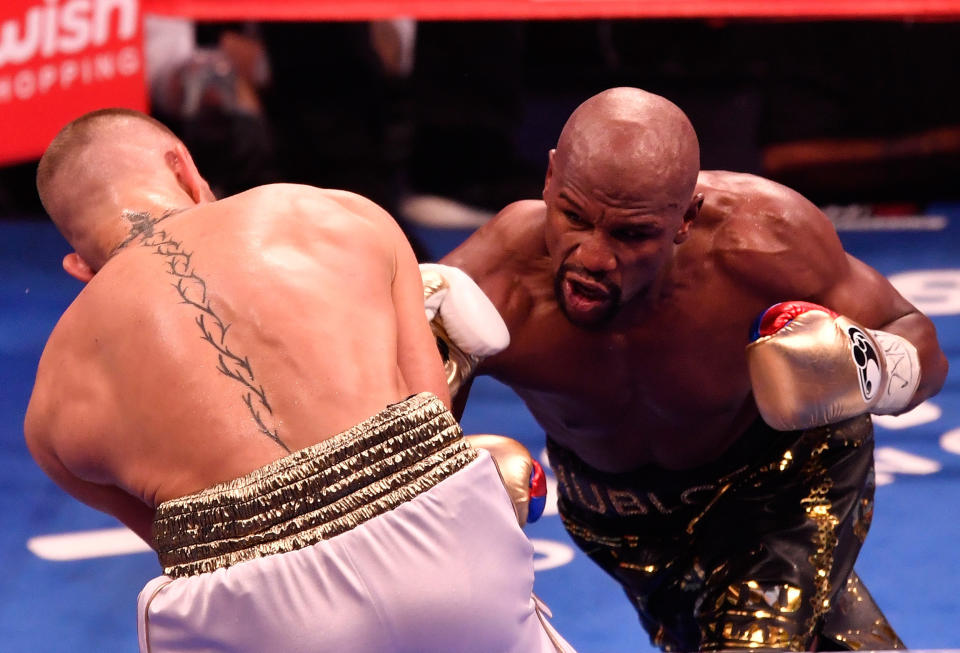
(632, 143)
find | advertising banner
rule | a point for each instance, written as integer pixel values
(62, 58)
(548, 9)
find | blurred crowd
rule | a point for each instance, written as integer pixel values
(443, 123)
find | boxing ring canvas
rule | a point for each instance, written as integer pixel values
(71, 575)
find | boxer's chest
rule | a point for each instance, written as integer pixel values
(675, 381)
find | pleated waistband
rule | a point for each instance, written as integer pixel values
(315, 493)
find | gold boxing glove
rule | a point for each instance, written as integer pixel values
(810, 366)
(467, 325)
(521, 474)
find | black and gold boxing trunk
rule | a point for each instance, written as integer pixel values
(754, 550)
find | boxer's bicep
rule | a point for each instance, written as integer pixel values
(865, 295)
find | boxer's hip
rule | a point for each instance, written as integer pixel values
(653, 496)
(315, 493)
(784, 511)
(395, 535)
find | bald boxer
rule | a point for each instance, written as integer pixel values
(250, 385)
(703, 356)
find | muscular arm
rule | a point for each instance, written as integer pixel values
(515, 232)
(498, 255)
(864, 295)
(131, 511)
(797, 255)
(417, 356)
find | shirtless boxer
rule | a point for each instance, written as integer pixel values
(250, 385)
(631, 293)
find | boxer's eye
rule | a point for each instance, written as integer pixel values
(574, 219)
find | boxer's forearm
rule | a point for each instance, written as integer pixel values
(811, 366)
(920, 331)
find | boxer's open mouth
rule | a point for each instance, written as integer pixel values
(585, 296)
(586, 300)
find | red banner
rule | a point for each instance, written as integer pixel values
(549, 9)
(62, 58)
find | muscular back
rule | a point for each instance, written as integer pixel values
(670, 384)
(218, 339)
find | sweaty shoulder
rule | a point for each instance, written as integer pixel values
(767, 235)
(507, 257)
(334, 215)
(508, 242)
(313, 203)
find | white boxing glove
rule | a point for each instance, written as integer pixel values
(467, 325)
(810, 366)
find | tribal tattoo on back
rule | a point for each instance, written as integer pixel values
(193, 292)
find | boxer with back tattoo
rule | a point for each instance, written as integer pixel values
(703, 357)
(251, 386)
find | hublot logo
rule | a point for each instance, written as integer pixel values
(598, 497)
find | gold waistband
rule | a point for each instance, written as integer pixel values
(314, 493)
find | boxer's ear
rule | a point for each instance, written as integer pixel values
(189, 178)
(77, 268)
(549, 176)
(693, 210)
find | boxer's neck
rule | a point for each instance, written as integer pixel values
(135, 225)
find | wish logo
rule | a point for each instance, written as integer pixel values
(867, 360)
(60, 59)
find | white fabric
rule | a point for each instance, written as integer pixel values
(449, 571)
(469, 317)
(903, 373)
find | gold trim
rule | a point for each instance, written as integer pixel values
(713, 501)
(819, 510)
(315, 493)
